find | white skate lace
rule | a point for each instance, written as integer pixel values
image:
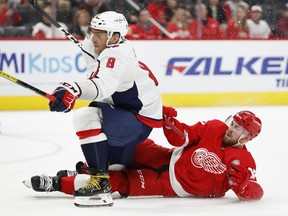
(46, 182)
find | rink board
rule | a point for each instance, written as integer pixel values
(190, 73)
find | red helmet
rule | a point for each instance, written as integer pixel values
(249, 121)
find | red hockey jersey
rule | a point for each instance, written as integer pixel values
(199, 163)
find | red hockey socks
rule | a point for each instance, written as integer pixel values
(67, 185)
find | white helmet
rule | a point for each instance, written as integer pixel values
(111, 22)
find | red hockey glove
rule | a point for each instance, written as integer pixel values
(168, 114)
(66, 95)
(238, 176)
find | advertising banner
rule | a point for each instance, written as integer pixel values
(204, 71)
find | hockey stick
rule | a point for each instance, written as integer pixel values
(26, 85)
(35, 5)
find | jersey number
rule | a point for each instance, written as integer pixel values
(110, 63)
(151, 75)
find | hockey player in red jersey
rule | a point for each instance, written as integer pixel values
(210, 160)
(126, 104)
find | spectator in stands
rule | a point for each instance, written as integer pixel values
(94, 6)
(81, 23)
(258, 28)
(215, 10)
(282, 24)
(45, 30)
(210, 27)
(143, 29)
(237, 27)
(230, 7)
(170, 7)
(157, 11)
(180, 24)
(9, 16)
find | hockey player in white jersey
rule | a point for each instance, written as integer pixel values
(126, 105)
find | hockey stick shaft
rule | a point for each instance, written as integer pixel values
(35, 5)
(26, 85)
(174, 128)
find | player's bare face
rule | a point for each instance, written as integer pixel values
(99, 39)
(232, 135)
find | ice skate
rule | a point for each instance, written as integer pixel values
(43, 183)
(97, 192)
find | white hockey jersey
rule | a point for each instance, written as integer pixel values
(118, 78)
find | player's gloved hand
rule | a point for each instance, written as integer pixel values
(169, 111)
(168, 114)
(238, 176)
(66, 95)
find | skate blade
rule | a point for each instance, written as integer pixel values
(27, 183)
(101, 200)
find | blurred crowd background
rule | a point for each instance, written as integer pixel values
(151, 19)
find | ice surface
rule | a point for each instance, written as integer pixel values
(39, 142)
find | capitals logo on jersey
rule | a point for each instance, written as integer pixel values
(210, 162)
